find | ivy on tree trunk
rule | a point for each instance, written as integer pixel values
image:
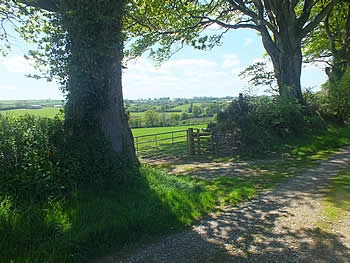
(94, 46)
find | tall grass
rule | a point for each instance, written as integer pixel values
(95, 221)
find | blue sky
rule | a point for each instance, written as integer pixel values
(187, 74)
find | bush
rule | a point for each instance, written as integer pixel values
(339, 98)
(38, 161)
(256, 122)
(29, 156)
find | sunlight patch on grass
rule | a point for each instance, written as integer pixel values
(337, 202)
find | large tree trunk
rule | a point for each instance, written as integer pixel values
(288, 75)
(285, 53)
(95, 99)
(114, 122)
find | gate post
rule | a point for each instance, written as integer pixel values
(190, 141)
(199, 141)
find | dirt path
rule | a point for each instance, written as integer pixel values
(278, 226)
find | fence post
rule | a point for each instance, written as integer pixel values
(199, 141)
(190, 141)
(156, 139)
(172, 142)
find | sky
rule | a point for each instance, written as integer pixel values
(189, 73)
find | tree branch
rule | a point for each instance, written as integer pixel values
(346, 42)
(48, 5)
(209, 20)
(305, 14)
(258, 20)
(320, 16)
(329, 35)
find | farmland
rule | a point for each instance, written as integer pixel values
(47, 112)
(163, 112)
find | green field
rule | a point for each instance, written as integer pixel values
(48, 112)
(137, 114)
(185, 107)
(6, 104)
(145, 131)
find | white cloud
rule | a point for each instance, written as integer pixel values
(16, 64)
(182, 78)
(230, 60)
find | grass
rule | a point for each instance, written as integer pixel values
(185, 107)
(335, 207)
(95, 221)
(161, 141)
(154, 130)
(337, 202)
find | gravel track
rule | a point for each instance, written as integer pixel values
(278, 226)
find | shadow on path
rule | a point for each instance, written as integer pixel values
(279, 226)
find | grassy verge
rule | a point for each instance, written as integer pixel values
(337, 203)
(95, 221)
(317, 146)
(335, 212)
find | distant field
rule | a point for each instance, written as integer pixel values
(137, 114)
(146, 131)
(185, 107)
(49, 112)
(7, 104)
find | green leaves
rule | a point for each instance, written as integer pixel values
(28, 156)
(329, 42)
(258, 75)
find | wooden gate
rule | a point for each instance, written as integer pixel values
(199, 141)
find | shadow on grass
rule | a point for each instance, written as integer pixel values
(98, 219)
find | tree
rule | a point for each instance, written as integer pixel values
(330, 42)
(338, 98)
(83, 46)
(151, 118)
(196, 111)
(212, 109)
(282, 24)
(10, 14)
